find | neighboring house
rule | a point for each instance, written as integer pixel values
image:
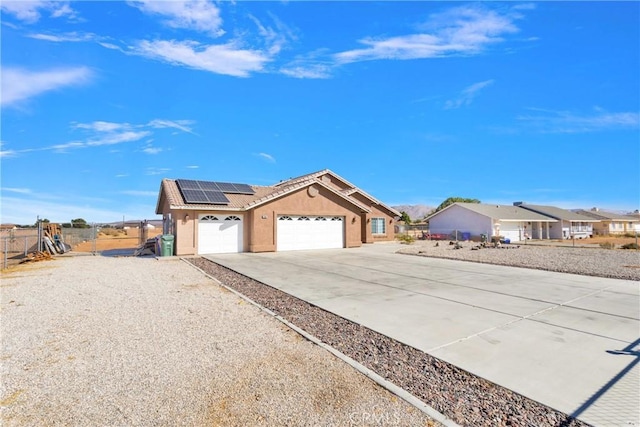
(570, 224)
(611, 223)
(511, 222)
(314, 211)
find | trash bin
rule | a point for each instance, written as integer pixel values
(166, 243)
(483, 238)
(466, 236)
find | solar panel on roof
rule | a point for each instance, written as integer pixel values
(226, 187)
(188, 184)
(194, 196)
(210, 192)
(244, 189)
(209, 185)
(216, 197)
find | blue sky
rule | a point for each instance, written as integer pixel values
(413, 102)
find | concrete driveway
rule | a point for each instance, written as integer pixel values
(570, 342)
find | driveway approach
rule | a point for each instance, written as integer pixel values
(568, 341)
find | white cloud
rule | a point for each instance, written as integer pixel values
(100, 126)
(226, 59)
(8, 153)
(102, 133)
(276, 38)
(549, 121)
(17, 190)
(118, 138)
(464, 30)
(198, 15)
(152, 150)
(30, 11)
(65, 37)
(302, 69)
(267, 157)
(467, 95)
(19, 84)
(193, 167)
(156, 171)
(182, 125)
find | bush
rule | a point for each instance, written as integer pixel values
(405, 238)
(607, 245)
(630, 246)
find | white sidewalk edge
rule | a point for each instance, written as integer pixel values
(398, 391)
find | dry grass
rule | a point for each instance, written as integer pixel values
(106, 242)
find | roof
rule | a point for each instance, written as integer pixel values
(500, 212)
(559, 213)
(264, 194)
(352, 189)
(608, 216)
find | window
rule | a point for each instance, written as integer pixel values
(378, 226)
(284, 218)
(209, 218)
(232, 218)
(303, 218)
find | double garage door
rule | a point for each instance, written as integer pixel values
(218, 234)
(297, 232)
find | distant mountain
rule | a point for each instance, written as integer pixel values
(415, 211)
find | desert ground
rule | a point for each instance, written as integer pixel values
(114, 239)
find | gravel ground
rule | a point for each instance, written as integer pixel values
(461, 396)
(617, 264)
(99, 341)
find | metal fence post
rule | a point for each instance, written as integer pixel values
(6, 252)
(94, 237)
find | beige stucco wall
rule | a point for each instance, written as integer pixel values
(263, 229)
(376, 212)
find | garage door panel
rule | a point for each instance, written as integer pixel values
(309, 232)
(220, 234)
(510, 231)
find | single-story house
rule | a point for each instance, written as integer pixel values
(610, 222)
(475, 219)
(315, 211)
(570, 224)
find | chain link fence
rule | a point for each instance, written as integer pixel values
(16, 244)
(423, 232)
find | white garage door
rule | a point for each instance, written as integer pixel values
(218, 234)
(309, 232)
(510, 231)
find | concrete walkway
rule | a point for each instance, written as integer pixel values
(568, 341)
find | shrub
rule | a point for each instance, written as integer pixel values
(405, 238)
(630, 246)
(607, 245)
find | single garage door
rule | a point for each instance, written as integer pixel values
(510, 231)
(218, 234)
(297, 232)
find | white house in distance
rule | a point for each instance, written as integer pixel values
(511, 222)
(571, 225)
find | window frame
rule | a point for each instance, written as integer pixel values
(376, 224)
